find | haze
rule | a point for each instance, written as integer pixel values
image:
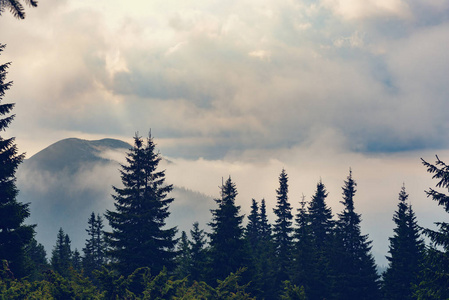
(246, 88)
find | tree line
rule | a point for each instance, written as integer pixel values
(309, 253)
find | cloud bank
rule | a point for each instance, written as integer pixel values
(211, 78)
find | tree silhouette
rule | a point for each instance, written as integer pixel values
(15, 7)
(138, 237)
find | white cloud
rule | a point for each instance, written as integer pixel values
(261, 54)
(362, 9)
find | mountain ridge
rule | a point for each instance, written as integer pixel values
(68, 180)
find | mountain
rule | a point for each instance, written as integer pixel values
(70, 154)
(67, 181)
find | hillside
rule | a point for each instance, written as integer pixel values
(69, 179)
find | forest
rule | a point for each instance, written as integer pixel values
(310, 253)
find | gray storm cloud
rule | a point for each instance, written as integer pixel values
(269, 77)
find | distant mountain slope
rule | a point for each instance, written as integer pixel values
(69, 179)
(71, 153)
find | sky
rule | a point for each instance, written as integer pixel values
(244, 89)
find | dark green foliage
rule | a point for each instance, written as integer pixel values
(227, 251)
(142, 285)
(198, 254)
(252, 232)
(283, 230)
(113, 285)
(36, 260)
(261, 252)
(138, 237)
(184, 257)
(14, 234)
(406, 253)
(435, 274)
(322, 234)
(264, 226)
(94, 251)
(356, 275)
(304, 254)
(76, 261)
(292, 292)
(61, 256)
(15, 7)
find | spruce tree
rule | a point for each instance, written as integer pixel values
(227, 251)
(184, 257)
(139, 237)
(322, 233)
(265, 227)
(303, 248)
(14, 234)
(252, 232)
(283, 229)
(61, 256)
(94, 250)
(198, 254)
(356, 274)
(76, 261)
(435, 275)
(261, 251)
(406, 253)
(266, 262)
(36, 259)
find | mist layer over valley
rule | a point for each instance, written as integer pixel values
(72, 178)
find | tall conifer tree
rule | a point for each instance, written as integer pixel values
(303, 249)
(435, 276)
(95, 248)
(266, 261)
(252, 232)
(406, 253)
(265, 227)
(356, 274)
(139, 237)
(61, 256)
(14, 234)
(283, 229)
(322, 232)
(198, 253)
(184, 257)
(226, 239)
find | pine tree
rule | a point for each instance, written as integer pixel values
(184, 258)
(356, 274)
(252, 232)
(36, 259)
(266, 258)
(198, 254)
(138, 237)
(14, 234)
(406, 253)
(94, 250)
(304, 251)
(226, 239)
(265, 227)
(76, 261)
(283, 229)
(258, 251)
(61, 256)
(435, 276)
(322, 233)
